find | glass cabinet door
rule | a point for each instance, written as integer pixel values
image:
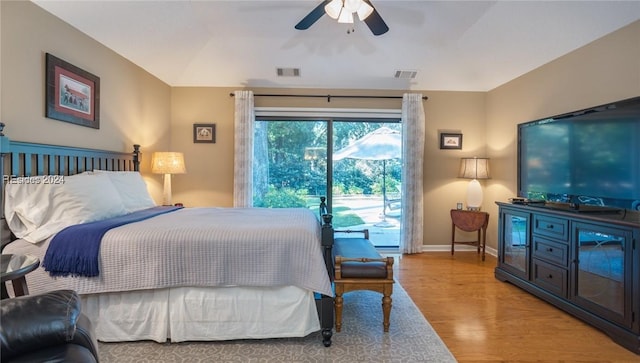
(601, 270)
(514, 255)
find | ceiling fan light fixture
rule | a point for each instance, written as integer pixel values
(333, 8)
(364, 11)
(352, 5)
(344, 12)
(345, 17)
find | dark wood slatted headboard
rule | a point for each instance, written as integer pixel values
(28, 159)
(20, 159)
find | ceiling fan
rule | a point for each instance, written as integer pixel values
(343, 11)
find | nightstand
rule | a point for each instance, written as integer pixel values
(470, 221)
(14, 268)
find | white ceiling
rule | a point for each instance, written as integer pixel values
(453, 45)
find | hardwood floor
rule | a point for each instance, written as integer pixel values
(482, 319)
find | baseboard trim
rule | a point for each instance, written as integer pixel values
(447, 248)
(391, 251)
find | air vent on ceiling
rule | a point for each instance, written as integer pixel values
(406, 74)
(288, 72)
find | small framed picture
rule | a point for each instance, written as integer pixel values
(204, 133)
(450, 141)
(73, 94)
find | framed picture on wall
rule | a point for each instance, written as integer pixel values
(450, 141)
(73, 94)
(204, 133)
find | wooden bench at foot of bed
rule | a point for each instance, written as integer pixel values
(359, 266)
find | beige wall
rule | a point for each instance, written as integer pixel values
(138, 108)
(604, 71)
(462, 112)
(209, 178)
(134, 106)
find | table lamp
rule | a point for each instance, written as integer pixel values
(167, 163)
(474, 168)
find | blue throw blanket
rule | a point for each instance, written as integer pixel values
(74, 250)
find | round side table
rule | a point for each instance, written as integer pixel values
(14, 268)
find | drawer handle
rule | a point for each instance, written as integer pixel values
(550, 226)
(549, 249)
(550, 276)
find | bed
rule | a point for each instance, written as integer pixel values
(185, 274)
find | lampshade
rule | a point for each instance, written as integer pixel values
(333, 8)
(352, 5)
(474, 168)
(346, 17)
(165, 162)
(364, 11)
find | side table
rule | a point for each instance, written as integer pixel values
(14, 268)
(470, 221)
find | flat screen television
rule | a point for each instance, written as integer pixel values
(586, 157)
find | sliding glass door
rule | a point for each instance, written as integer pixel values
(355, 163)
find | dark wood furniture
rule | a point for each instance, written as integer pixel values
(586, 263)
(359, 266)
(14, 268)
(470, 221)
(324, 303)
(19, 159)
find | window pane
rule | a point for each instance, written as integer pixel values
(367, 171)
(289, 164)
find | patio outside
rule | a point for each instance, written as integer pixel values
(369, 209)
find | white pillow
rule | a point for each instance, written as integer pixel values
(87, 198)
(81, 198)
(132, 189)
(26, 203)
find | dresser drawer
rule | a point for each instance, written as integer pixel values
(551, 227)
(550, 251)
(549, 277)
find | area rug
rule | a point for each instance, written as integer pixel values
(410, 339)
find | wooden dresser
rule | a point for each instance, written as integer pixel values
(584, 262)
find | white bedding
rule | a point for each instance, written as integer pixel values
(258, 283)
(202, 314)
(202, 247)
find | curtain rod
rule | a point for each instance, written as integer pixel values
(328, 97)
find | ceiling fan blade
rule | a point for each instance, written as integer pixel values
(375, 22)
(312, 17)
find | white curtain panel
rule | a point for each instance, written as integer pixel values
(413, 120)
(243, 149)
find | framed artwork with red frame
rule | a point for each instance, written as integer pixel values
(73, 94)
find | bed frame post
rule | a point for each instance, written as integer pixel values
(5, 233)
(325, 303)
(136, 157)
